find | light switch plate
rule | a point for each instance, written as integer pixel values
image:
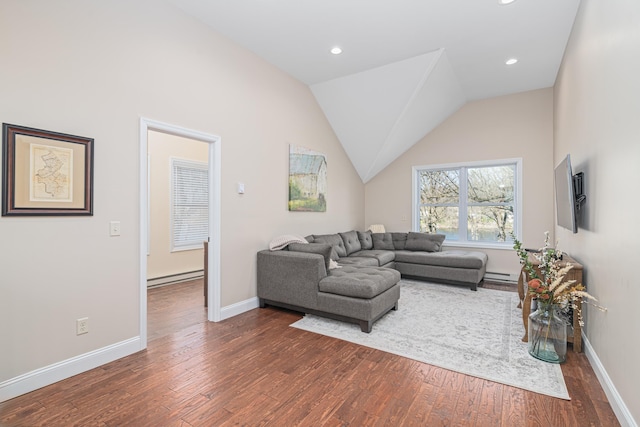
(114, 228)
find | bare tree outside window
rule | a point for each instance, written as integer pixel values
(490, 201)
(439, 201)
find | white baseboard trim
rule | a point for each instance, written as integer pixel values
(239, 308)
(42, 377)
(615, 400)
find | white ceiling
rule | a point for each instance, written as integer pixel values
(406, 64)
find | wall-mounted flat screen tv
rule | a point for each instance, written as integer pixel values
(569, 195)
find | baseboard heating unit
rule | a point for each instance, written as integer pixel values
(493, 276)
(175, 278)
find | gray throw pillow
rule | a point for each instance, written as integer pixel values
(382, 241)
(314, 248)
(335, 241)
(365, 240)
(424, 242)
(351, 241)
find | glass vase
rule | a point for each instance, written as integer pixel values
(548, 333)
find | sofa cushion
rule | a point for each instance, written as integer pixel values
(358, 260)
(365, 239)
(323, 249)
(399, 240)
(381, 257)
(351, 241)
(456, 259)
(334, 240)
(424, 242)
(359, 282)
(382, 241)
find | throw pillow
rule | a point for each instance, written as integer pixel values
(334, 240)
(314, 248)
(382, 241)
(424, 242)
(281, 242)
(365, 240)
(351, 242)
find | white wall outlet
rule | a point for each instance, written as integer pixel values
(82, 326)
(114, 228)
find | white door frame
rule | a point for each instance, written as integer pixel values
(213, 313)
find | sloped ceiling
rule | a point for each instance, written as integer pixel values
(378, 114)
(406, 64)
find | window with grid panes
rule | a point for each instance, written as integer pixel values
(474, 203)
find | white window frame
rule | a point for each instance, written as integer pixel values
(196, 243)
(462, 226)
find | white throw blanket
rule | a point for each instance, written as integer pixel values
(281, 242)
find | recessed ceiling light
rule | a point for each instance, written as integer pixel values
(511, 61)
(336, 50)
(505, 1)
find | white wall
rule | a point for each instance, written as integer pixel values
(513, 126)
(162, 261)
(93, 69)
(597, 121)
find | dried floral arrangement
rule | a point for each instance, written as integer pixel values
(549, 285)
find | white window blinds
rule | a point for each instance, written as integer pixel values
(189, 204)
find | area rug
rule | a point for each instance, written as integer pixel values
(474, 333)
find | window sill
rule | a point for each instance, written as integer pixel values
(479, 245)
(188, 248)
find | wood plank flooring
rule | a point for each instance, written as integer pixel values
(254, 370)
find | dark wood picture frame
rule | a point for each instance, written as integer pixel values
(46, 173)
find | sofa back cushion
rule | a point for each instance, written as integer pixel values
(399, 240)
(351, 242)
(323, 249)
(382, 241)
(366, 242)
(424, 242)
(335, 241)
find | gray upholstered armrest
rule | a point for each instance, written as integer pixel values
(290, 277)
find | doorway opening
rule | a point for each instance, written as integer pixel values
(213, 173)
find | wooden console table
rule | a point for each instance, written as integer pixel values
(574, 332)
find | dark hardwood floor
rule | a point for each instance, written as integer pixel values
(254, 369)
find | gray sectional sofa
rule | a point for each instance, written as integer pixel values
(365, 285)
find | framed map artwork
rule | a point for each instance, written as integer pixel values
(46, 173)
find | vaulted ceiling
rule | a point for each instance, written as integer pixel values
(405, 66)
